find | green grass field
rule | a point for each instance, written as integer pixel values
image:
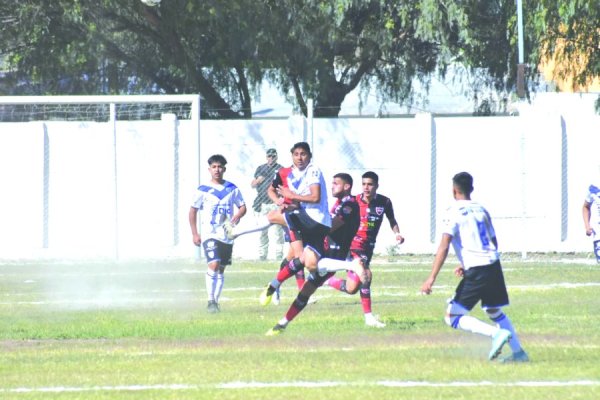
(139, 330)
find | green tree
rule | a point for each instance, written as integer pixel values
(100, 46)
(319, 49)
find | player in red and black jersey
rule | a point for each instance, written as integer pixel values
(373, 208)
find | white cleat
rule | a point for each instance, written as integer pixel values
(371, 320)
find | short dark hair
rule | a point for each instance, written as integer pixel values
(217, 158)
(301, 145)
(371, 175)
(464, 182)
(345, 177)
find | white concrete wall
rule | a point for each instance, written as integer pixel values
(131, 199)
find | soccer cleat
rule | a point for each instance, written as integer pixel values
(276, 330)
(265, 297)
(213, 307)
(519, 356)
(498, 341)
(358, 268)
(371, 320)
(228, 228)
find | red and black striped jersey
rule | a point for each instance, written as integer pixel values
(371, 217)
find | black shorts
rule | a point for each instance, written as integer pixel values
(485, 283)
(312, 233)
(335, 250)
(336, 253)
(215, 250)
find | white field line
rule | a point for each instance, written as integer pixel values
(140, 296)
(299, 384)
(30, 278)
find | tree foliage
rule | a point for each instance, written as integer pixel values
(319, 49)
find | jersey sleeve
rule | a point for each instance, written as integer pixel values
(449, 223)
(389, 213)
(313, 176)
(277, 181)
(197, 199)
(589, 195)
(492, 232)
(238, 199)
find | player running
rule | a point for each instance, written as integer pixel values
(468, 226)
(373, 208)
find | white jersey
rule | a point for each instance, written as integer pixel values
(300, 182)
(593, 199)
(215, 203)
(470, 226)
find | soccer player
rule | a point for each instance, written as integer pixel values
(296, 247)
(345, 216)
(591, 217)
(285, 176)
(373, 208)
(468, 226)
(216, 201)
(308, 218)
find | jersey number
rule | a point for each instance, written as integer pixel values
(483, 233)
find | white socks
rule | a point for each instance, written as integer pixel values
(331, 265)
(472, 324)
(214, 284)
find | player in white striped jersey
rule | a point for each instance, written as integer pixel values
(468, 226)
(591, 217)
(308, 222)
(217, 201)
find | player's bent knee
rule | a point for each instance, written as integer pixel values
(351, 291)
(352, 287)
(454, 313)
